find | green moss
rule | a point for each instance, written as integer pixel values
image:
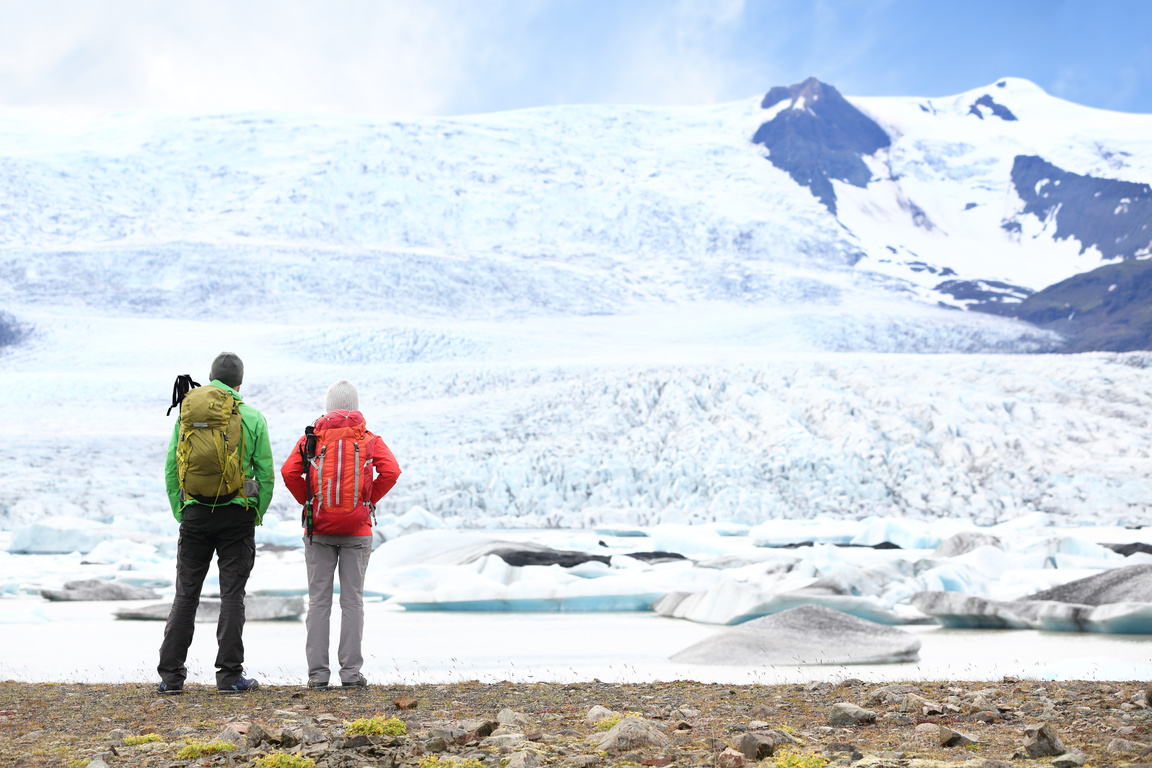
(284, 760)
(132, 741)
(377, 726)
(194, 748)
(786, 758)
(435, 761)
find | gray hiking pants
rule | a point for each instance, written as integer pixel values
(323, 556)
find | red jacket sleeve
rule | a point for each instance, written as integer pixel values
(293, 473)
(387, 471)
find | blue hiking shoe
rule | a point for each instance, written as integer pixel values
(170, 689)
(242, 685)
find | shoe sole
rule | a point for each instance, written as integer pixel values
(171, 693)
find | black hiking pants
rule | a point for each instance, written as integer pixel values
(229, 531)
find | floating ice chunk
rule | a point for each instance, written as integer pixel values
(61, 535)
(625, 531)
(1114, 618)
(1076, 546)
(804, 635)
(280, 533)
(21, 612)
(960, 611)
(279, 575)
(779, 533)
(444, 546)
(908, 533)
(125, 551)
(1008, 529)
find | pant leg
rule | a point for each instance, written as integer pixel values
(320, 560)
(193, 557)
(353, 564)
(235, 538)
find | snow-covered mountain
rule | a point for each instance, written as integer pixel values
(574, 315)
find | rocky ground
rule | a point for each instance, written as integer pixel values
(922, 725)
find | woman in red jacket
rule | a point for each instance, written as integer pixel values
(338, 471)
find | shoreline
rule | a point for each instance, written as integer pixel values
(72, 724)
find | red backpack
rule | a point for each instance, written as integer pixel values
(339, 474)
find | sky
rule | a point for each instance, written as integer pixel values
(451, 57)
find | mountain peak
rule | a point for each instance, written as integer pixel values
(808, 91)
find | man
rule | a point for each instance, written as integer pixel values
(339, 476)
(221, 520)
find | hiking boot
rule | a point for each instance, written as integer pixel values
(242, 685)
(359, 682)
(318, 685)
(170, 689)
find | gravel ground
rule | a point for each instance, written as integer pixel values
(73, 725)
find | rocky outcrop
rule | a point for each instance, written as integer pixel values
(819, 136)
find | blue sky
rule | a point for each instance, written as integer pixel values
(443, 57)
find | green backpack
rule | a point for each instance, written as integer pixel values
(210, 445)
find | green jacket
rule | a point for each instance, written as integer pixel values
(256, 463)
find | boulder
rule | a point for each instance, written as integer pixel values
(951, 738)
(256, 608)
(522, 759)
(598, 713)
(1070, 760)
(808, 634)
(1042, 741)
(755, 746)
(632, 733)
(847, 714)
(730, 758)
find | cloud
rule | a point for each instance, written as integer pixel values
(342, 55)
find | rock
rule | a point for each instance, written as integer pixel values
(257, 735)
(845, 713)
(1123, 746)
(118, 734)
(761, 712)
(231, 735)
(522, 759)
(632, 733)
(356, 740)
(482, 728)
(808, 634)
(256, 608)
(730, 758)
(98, 589)
(951, 738)
(988, 717)
(405, 702)
(98, 763)
(508, 717)
(436, 744)
(757, 725)
(684, 713)
(755, 746)
(1069, 760)
(891, 694)
(912, 702)
(598, 713)
(583, 761)
(931, 728)
(1042, 741)
(897, 718)
(964, 542)
(289, 739)
(837, 749)
(504, 740)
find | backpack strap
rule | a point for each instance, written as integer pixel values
(307, 453)
(181, 387)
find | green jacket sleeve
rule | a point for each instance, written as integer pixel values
(263, 472)
(171, 481)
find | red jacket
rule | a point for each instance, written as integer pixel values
(385, 468)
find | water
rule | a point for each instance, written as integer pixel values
(81, 642)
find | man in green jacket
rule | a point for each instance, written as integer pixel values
(227, 528)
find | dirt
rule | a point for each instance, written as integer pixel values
(71, 724)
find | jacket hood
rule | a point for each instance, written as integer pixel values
(339, 419)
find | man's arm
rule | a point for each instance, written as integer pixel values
(387, 471)
(171, 479)
(263, 469)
